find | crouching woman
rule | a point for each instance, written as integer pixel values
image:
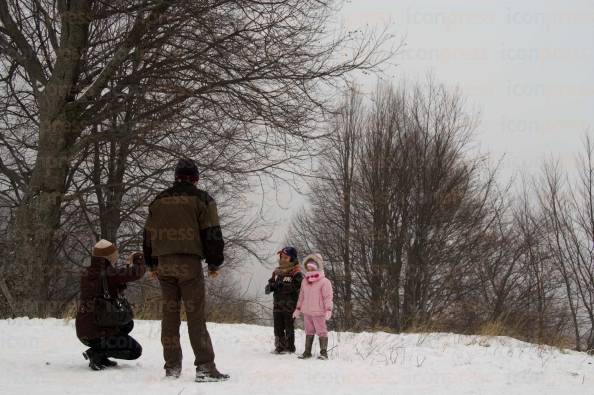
(103, 318)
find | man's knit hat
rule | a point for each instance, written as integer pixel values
(104, 249)
(186, 170)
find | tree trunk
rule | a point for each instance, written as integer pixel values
(38, 217)
(411, 287)
(348, 276)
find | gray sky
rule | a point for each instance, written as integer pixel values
(527, 68)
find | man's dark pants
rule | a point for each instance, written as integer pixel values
(181, 278)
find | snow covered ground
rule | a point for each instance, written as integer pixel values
(44, 357)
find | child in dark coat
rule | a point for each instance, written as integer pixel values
(284, 285)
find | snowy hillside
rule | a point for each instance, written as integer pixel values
(44, 357)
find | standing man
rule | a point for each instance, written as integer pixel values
(182, 229)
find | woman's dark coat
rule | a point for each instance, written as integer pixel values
(90, 288)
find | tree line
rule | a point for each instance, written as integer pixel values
(420, 233)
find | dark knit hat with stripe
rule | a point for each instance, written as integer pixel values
(291, 252)
(186, 170)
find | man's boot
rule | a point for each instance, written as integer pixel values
(323, 348)
(173, 373)
(208, 373)
(309, 339)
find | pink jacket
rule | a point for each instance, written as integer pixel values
(315, 298)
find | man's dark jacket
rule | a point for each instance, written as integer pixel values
(183, 220)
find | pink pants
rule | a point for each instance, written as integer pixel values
(315, 325)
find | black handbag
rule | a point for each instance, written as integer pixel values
(111, 311)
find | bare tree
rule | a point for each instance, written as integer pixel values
(568, 217)
(419, 207)
(71, 71)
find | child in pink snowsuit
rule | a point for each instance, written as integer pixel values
(315, 302)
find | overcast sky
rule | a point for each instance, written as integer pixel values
(527, 67)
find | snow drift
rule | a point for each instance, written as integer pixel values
(43, 356)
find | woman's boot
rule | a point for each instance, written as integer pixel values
(95, 359)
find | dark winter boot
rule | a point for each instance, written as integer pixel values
(95, 359)
(323, 348)
(173, 373)
(279, 345)
(208, 373)
(291, 344)
(108, 362)
(309, 339)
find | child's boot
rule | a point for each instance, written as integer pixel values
(309, 339)
(323, 348)
(278, 345)
(291, 344)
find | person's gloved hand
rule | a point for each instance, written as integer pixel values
(296, 314)
(328, 315)
(135, 258)
(154, 274)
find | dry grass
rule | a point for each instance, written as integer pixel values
(498, 328)
(429, 327)
(495, 328)
(243, 311)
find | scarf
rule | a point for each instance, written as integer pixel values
(284, 268)
(312, 277)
